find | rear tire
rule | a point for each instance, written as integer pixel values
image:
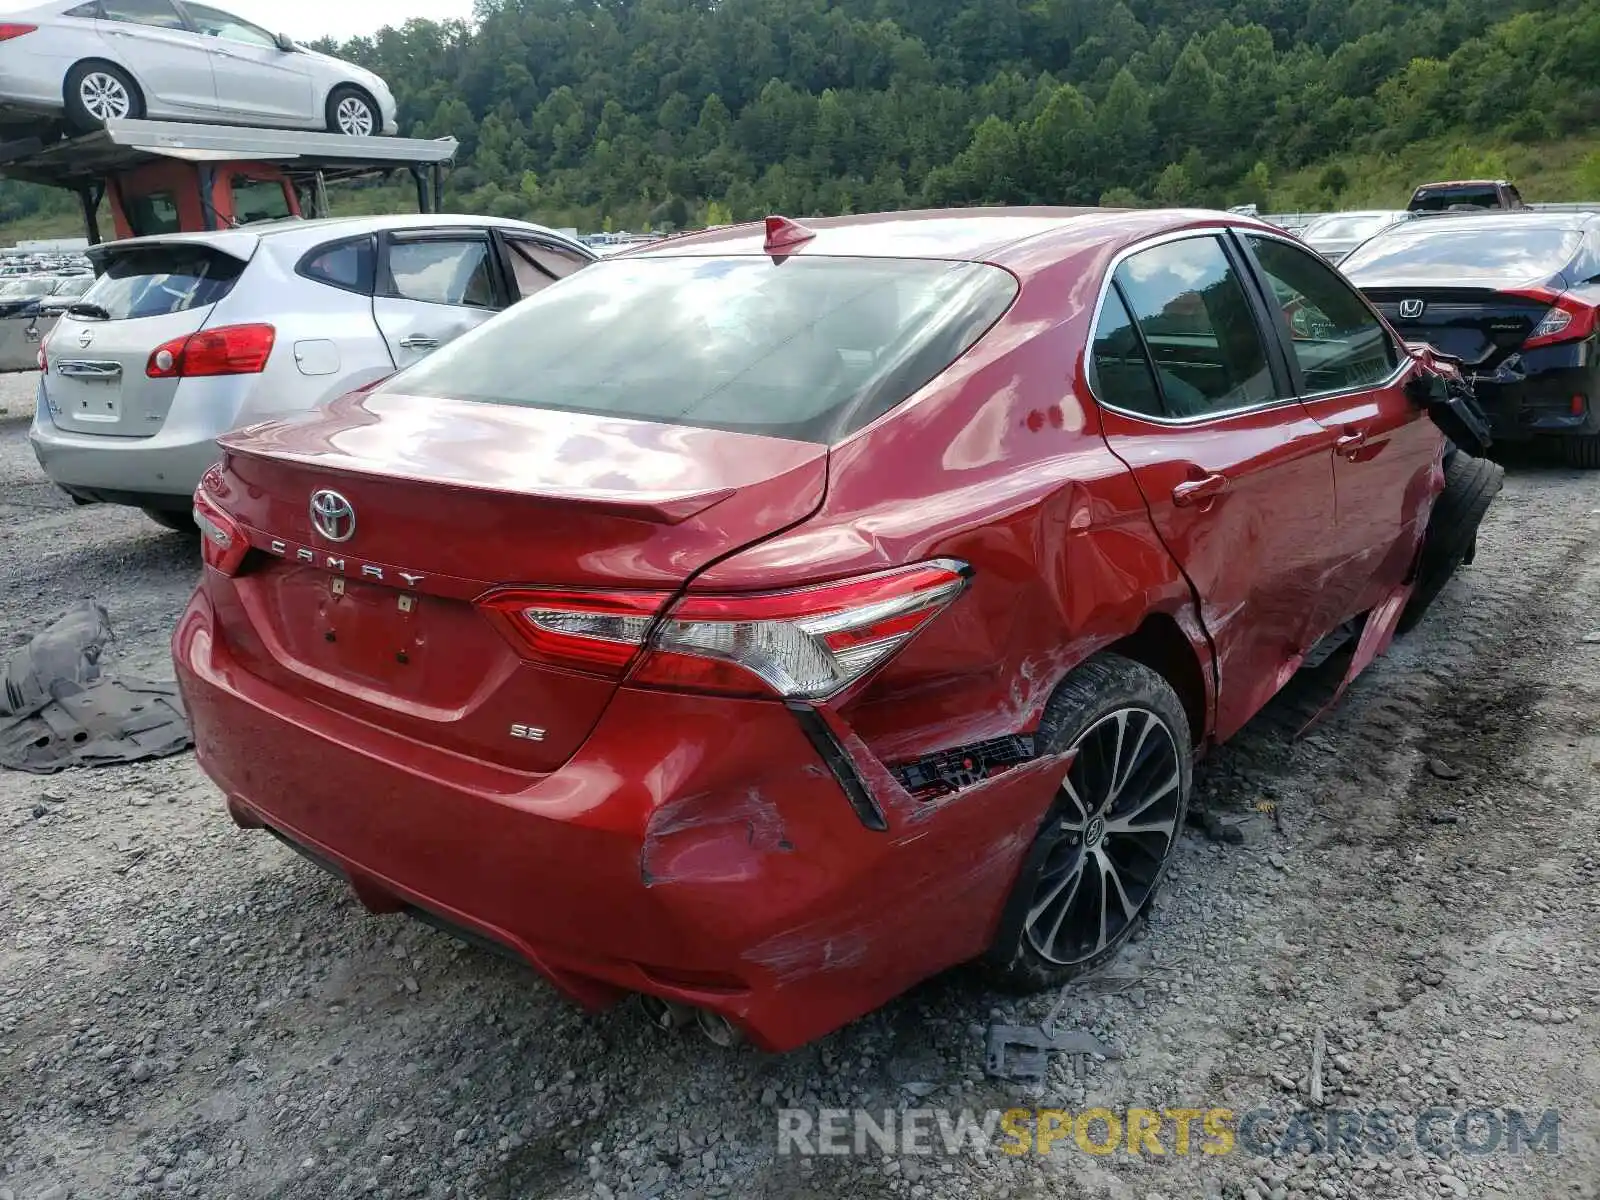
(96, 92)
(177, 520)
(1583, 451)
(1099, 857)
(1470, 486)
(353, 113)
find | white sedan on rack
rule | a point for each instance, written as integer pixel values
(99, 60)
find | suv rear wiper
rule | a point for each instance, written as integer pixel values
(90, 312)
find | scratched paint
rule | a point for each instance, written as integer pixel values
(711, 838)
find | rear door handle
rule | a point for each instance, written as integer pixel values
(1199, 491)
(419, 341)
(1351, 443)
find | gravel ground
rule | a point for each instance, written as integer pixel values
(189, 1010)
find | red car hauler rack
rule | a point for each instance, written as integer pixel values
(169, 177)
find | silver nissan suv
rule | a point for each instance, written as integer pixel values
(186, 336)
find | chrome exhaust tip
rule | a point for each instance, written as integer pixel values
(665, 1014)
(717, 1028)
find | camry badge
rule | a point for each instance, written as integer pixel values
(333, 516)
(1411, 309)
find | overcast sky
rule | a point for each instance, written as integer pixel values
(305, 20)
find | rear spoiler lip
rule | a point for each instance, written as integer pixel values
(656, 508)
(234, 244)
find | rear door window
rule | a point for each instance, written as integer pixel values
(1199, 327)
(811, 349)
(444, 271)
(159, 280)
(163, 14)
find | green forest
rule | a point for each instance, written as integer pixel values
(669, 113)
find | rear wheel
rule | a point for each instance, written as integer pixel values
(1583, 451)
(354, 113)
(1470, 486)
(1098, 860)
(97, 92)
(176, 519)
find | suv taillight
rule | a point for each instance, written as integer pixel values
(1567, 320)
(805, 644)
(230, 350)
(223, 544)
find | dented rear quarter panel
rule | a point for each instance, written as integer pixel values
(999, 463)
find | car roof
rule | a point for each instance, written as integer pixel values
(242, 242)
(1447, 183)
(1008, 237)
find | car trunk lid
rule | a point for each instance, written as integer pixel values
(448, 500)
(150, 292)
(1480, 326)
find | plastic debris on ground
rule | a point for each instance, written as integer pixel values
(59, 709)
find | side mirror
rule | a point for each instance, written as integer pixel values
(286, 43)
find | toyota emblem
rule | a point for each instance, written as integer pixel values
(1412, 309)
(333, 516)
(85, 338)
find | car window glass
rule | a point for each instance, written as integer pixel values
(1452, 252)
(1197, 322)
(160, 13)
(805, 348)
(443, 271)
(1122, 377)
(154, 212)
(148, 281)
(259, 200)
(84, 10)
(345, 265)
(537, 265)
(1337, 340)
(217, 23)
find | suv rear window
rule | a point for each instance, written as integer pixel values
(153, 281)
(810, 349)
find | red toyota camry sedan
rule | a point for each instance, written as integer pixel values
(773, 618)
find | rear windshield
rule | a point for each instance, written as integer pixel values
(1348, 226)
(810, 349)
(1436, 250)
(153, 281)
(1444, 199)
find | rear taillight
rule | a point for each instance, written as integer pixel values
(806, 644)
(598, 632)
(1567, 320)
(230, 350)
(13, 29)
(223, 544)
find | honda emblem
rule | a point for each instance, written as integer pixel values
(1412, 309)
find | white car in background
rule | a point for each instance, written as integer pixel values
(1337, 234)
(186, 336)
(98, 60)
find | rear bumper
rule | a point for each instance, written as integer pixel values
(1552, 398)
(157, 471)
(694, 848)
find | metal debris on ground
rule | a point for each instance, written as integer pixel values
(58, 709)
(1021, 1053)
